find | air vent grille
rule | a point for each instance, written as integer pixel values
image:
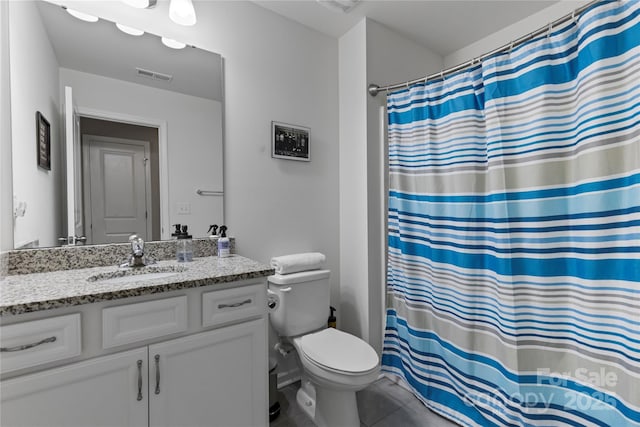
(344, 6)
(141, 72)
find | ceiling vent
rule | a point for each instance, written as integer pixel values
(344, 6)
(141, 72)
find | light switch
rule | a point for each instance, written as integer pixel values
(184, 208)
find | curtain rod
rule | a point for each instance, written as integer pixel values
(374, 89)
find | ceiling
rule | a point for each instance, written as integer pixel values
(441, 26)
(100, 48)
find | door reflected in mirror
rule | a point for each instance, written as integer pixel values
(145, 142)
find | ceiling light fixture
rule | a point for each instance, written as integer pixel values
(141, 4)
(129, 30)
(173, 44)
(344, 6)
(182, 12)
(81, 15)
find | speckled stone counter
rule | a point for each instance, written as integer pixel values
(25, 293)
(26, 261)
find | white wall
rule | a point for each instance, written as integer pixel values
(353, 312)
(278, 70)
(194, 139)
(6, 180)
(369, 53)
(34, 87)
(513, 32)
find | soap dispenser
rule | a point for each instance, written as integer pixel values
(224, 245)
(213, 237)
(184, 251)
(176, 232)
(331, 322)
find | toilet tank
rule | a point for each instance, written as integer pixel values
(304, 302)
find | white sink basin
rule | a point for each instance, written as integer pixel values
(133, 274)
(137, 277)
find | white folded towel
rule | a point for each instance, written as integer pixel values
(295, 263)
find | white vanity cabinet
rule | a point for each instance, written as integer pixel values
(97, 392)
(212, 374)
(209, 379)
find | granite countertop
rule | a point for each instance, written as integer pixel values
(25, 293)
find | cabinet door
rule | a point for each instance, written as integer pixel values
(98, 392)
(215, 378)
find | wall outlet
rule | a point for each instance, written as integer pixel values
(183, 208)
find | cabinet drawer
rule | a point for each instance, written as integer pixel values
(229, 305)
(130, 323)
(36, 342)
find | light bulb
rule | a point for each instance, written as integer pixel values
(82, 16)
(182, 12)
(129, 30)
(173, 44)
(140, 4)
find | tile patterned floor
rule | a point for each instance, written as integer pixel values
(382, 404)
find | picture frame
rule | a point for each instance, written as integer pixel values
(290, 142)
(43, 141)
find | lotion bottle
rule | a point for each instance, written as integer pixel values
(224, 245)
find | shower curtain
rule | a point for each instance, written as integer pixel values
(513, 288)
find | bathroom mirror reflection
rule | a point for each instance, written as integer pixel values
(147, 121)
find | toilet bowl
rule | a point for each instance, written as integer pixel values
(337, 359)
(335, 364)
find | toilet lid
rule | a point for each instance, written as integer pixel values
(339, 351)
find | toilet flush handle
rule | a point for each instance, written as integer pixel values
(285, 290)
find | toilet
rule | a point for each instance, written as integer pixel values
(335, 364)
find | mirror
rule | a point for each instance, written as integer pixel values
(148, 119)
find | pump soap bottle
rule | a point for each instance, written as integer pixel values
(224, 245)
(213, 237)
(184, 252)
(331, 321)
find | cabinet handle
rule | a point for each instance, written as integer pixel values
(236, 304)
(157, 359)
(26, 346)
(139, 379)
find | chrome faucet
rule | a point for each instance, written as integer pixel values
(137, 258)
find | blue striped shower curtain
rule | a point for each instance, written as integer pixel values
(513, 288)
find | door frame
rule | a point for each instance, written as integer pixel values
(86, 177)
(163, 154)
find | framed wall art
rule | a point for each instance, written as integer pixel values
(290, 142)
(43, 140)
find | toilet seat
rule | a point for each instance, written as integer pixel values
(338, 352)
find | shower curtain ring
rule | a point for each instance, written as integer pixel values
(511, 46)
(573, 16)
(549, 30)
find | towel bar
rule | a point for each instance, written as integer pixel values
(209, 193)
